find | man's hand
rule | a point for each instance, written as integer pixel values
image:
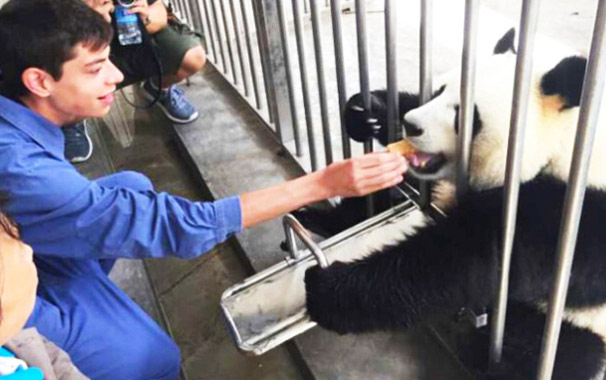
(141, 7)
(103, 7)
(364, 175)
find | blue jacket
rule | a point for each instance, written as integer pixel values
(62, 213)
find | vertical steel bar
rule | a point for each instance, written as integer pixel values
(311, 139)
(263, 44)
(466, 112)
(234, 18)
(391, 30)
(528, 26)
(211, 35)
(337, 33)
(198, 20)
(219, 35)
(230, 50)
(251, 56)
(289, 78)
(364, 80)
(591, 101)
(317, 35)
(426, 71)
(306, 6)
(188, 14)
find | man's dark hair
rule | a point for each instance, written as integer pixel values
(43, 34)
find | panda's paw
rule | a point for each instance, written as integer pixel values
(331, 298)
(363, 124)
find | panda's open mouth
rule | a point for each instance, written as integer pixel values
(426, 163)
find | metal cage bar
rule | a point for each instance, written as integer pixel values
(236, 25)
(219, 35)
(251, 55)
(337, 32)
(593, 89)
(364, 79)
(466, 112)
(318, 46)
(391, 30)
(426, 76)
(289, 79)
(528, 26)
(266, 64)
(211, 35)
(298, 21)
(228, 38)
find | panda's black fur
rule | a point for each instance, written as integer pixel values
(454, 263)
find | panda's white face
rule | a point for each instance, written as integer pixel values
(546, 135)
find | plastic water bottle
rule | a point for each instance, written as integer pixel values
(128, 26)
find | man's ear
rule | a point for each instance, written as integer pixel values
(506, 43)
(37, 81)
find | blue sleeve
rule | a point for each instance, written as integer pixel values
(62, 213)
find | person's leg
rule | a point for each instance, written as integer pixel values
(105, 333)
(181, 55)
(193, 61)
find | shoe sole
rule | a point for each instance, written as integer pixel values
(149, 97)
(77, 160)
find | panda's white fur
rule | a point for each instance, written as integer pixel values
(548, 146)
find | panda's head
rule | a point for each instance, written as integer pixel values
(552, 115)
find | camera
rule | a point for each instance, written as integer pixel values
(126, 3)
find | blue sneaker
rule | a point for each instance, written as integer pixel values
(172, 102)
(78, 145)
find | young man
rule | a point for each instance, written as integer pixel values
(56, 71)
(179, 52)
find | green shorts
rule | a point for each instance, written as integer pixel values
(138, 63)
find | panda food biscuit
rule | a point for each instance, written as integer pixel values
(403, 147)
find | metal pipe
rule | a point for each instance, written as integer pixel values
(219, 35)
(211, 35)
(298, 20)
(229, 45)
(425, 82)
(263, 42)
(364, 80)
(188, 14)
(234, 18)
(466, 112)
(528, 26)
(251, 57)
(291, 224)
(593, 89)
(391, 30)
(337, 33)
(289, 79)
(317, 34)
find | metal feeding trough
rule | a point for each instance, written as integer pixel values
(268, 308)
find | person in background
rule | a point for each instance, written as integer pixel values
(56, 71)
(180, 55)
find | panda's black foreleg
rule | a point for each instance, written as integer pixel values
(580, 353)
(440, 270)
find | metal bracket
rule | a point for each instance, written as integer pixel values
(292, 227)
(476, 320)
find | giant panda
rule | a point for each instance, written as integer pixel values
(454, 262)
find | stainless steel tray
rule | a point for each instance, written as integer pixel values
(268, 308)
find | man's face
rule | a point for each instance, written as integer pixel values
(86, 88)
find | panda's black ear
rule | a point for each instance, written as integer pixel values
(506, 43)
(566, 81)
